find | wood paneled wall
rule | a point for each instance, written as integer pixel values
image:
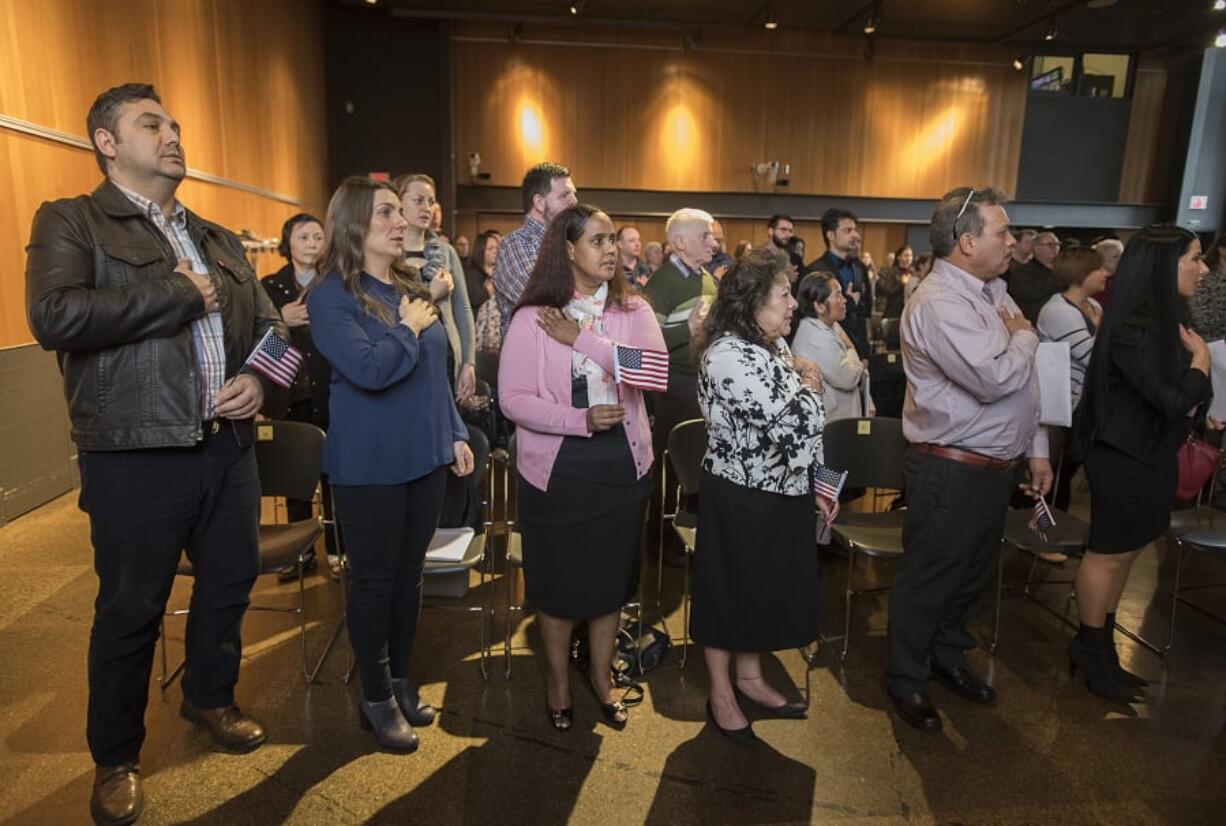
(1144, 176)
(635, 112)
(245, 80)
(879, 238)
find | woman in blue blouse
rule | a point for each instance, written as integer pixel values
(393, 431)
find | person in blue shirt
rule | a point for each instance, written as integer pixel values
(393, 431)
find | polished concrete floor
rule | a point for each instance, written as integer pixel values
(1048, 753)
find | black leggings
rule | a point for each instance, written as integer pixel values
(386, 530)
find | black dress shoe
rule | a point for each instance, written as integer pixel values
(964, 682)
(740, 736)
(917, 710)
(117, 797)
(233, 730)
(787, 711)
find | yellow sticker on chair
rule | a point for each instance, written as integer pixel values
(891, 358)
(864, 428)
(263, 433)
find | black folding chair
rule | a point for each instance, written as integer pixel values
(687, 444)
(871, 450)
(289, 456)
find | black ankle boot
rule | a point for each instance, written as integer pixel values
(417, 713)
(1125, 677)
(388, 724)
(1088, 655)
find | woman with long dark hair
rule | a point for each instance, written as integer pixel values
(583, 445)
(892, 285)
(1147, 375)
(755, 566)
(394, 430)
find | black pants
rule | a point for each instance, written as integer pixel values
(386, 529)
(955, 519)
(146, 507)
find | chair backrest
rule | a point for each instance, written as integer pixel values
(687, 444)
(870, 450)
(487, 367)
(290, 457)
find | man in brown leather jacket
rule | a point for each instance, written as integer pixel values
(152, 312)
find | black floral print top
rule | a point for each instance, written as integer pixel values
(764, 426)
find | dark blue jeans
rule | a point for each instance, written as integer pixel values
(146, 507)
(386, 530)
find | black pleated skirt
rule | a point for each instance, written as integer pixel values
(1130, 501)
(581, 537)
(755, 569)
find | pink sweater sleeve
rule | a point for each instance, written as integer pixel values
(518, 394)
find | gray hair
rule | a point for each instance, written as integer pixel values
(959, 212)
(683, 219)
(1110, 243)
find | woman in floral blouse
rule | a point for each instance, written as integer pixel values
(755, 564)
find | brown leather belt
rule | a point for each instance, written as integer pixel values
(966, 457)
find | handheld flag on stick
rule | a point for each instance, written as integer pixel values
(644, 369)
(1042, 521)
(275, 359)
(827, 482)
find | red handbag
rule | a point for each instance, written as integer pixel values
(1197, 462)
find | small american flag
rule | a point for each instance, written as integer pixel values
(1042, 521)
(644, 369)
(275, 359)
(827, 482)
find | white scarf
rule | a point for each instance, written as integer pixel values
(588, 310)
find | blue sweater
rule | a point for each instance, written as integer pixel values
(392, 415)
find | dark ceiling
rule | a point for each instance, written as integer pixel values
(1121, 24)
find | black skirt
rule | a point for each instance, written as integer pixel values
(581, 536)
(1130, 501)
(755, 569)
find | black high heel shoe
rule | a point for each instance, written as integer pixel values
(787, 711)
(740, 736)
(560, 718)
(1096, 666)
(615, 713)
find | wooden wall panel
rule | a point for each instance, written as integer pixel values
(245, 80)
(915, 122)
(1144, 176)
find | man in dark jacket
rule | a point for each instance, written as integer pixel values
(153, 312)
(1032, 283)
(841, 232)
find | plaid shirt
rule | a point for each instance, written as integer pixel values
(207, 331)
(516, 258)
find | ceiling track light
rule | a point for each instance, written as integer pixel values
(1220, 40)
(1019, 62)
(771, 22)
(1051, 31)
(1219, 5)
(873, 21)
(576, 7)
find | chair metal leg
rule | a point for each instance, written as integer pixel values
(685, 611)
(1000, 586)
(1160, 650)
(851, 560)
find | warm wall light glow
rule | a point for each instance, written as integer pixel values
(678, 137)
(530, 128)
(935, 139)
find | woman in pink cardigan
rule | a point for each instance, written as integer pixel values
(583, 444)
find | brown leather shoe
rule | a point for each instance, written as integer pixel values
(233, 730)
(118, 797)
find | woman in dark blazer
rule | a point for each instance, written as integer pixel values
(1147, 376)
(302, 237)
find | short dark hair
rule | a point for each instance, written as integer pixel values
(287, 229)
(815, 288)
(741, 293)
(539, 180)
(777, 217)
(104, 114)
(959, 212)
(831, 218)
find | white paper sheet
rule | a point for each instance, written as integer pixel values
(1217, 376)
(1052, 361)
(449, 544)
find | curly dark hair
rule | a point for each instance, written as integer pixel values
(742, 292)
(552, 283)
